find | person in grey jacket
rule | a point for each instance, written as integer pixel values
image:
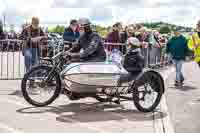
(90, 43)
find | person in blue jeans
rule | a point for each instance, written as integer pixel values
(178, 49)
(32, 35)
(31, 57)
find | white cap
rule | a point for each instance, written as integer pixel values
(134, 41)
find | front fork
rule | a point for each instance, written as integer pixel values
(48, 78)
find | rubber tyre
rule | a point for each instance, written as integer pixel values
(26, 95)
(155, 82)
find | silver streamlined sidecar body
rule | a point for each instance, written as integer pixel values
(90, 77)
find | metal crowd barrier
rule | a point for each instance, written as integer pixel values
(12, 64)
(152, 60)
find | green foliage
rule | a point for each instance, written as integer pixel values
(163, 26)
(164, 29)
(57, 29)
(101, 30)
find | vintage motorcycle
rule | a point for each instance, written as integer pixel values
(104, 81)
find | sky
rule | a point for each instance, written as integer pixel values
(103, 12)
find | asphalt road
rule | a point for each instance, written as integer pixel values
(85, 115)
(184, 102)
(88, 116)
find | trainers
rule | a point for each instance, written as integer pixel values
(182, 80)
(178, 83)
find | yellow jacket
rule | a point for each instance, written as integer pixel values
(195, 40)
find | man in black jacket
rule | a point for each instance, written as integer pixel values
(91, 44)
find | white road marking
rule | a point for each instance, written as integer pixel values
(164, 125)
(168, 126)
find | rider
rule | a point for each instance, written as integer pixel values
(91, 44)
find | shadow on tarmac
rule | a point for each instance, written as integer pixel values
(17, 93)
(184, 88)
(93, 112)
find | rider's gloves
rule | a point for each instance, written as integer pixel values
(75, 55)
(72, 55)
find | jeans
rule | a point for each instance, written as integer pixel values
(31, 57)
(179, 75)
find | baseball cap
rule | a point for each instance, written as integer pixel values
(84, 22)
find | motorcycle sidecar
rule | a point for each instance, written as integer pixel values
(89, 77)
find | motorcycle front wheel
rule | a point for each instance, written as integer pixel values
(35, 91)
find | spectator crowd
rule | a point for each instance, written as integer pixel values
(153, 45)
(152, 42)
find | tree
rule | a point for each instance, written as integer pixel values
(164, 29)
(101, 30)
(57, 29)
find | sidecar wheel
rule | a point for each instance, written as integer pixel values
(147, 91)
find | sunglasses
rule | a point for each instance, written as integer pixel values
(74, 24)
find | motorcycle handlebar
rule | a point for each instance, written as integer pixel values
(62, 53)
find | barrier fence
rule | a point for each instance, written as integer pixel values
(12, 64)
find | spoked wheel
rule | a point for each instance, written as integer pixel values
(36, 91)
(147, 92)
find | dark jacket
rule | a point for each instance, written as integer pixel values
(2, 36)
(177, 47)
(93, 50)
(29, 33)
(133, 61)
(113, 37)
(124, 36)
(70, 36)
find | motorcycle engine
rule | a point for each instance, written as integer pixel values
(110, 91)
(72, 96)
